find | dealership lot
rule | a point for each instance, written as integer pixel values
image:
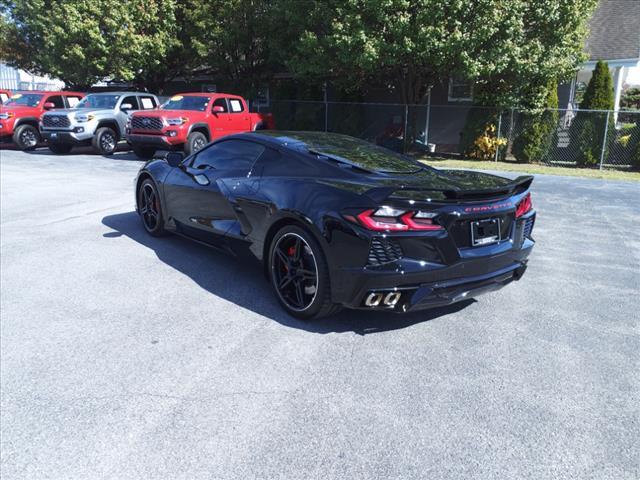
(126, 356)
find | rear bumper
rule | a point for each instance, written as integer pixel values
(443, 293)
(425, 283)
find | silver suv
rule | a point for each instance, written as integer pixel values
(99, 119)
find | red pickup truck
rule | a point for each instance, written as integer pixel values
(20, 114)
(191, 120)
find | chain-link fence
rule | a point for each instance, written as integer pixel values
(580, 138)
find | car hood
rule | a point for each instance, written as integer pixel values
(20, 111)
(92, 111)
(169, 113)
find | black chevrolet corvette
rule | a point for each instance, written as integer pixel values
(339, 222)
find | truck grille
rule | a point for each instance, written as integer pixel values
(383, 250)
(146, 123)
(56, 121)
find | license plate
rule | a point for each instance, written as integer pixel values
(485, 232)
(54, 135)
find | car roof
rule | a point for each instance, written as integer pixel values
(122, 93)
(46, 92)
(205, 94)
(340, 148)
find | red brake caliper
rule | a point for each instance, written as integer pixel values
(291, 251)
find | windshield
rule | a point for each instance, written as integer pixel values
(24, 100)
(98, 101)
(179, 102)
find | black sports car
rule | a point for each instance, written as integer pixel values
(340, 222)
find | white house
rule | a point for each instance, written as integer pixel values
(14, 79)
(614, 37)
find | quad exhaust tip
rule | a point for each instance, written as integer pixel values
(375, 299)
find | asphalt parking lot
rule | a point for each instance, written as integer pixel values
(130, 357)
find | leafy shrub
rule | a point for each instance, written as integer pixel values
(633, 147)
(535, 140)
(487, 144)
(480, 126)
(588, 131)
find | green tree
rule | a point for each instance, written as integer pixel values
(537, 133)
(514, 46)
(631, 99)
(589, 127)
(84, 41)
(233, 39)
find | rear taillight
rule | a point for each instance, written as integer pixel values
(524, 206)
(387, 219)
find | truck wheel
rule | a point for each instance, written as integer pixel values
(26, 137)
(105, 141)
(259, 126)
(60, 148)
(195, 142)
(144, 153)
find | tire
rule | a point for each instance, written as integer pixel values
(195, 141)
(60, 148)
(144, 153)
(105, 141)
(26, 137)
(259, 126)
(302, 296)
(150, 209)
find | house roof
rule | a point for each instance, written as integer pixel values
(614, 31)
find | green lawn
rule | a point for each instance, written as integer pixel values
(528, 168)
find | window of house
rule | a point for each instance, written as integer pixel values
(460, 90)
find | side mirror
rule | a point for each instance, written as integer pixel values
(126, 106)
(218, 109)
(174, 158)
(49, 105)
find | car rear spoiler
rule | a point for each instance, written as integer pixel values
(520, 184)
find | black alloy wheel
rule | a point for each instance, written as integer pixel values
(300, 275)
(295, 271)
(149, 208)
(26, 137)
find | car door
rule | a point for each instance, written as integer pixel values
(220, 121)
(240, 120)
(198, 193)
(122, 115)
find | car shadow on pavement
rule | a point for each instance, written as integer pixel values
(242, 282)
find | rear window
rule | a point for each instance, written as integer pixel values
(3, 97)
(350, 150)
(184, 102)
